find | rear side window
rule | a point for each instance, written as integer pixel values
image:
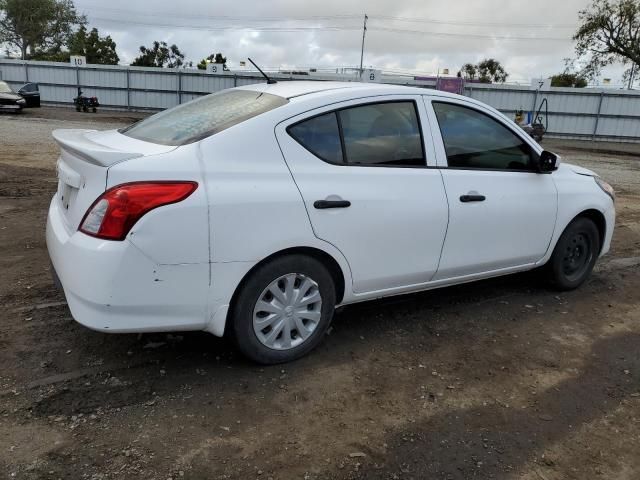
(475, 140)
(321, 136)
(202, 117)
(382, 134)
(378, 134)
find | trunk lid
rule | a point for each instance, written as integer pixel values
(85, 158)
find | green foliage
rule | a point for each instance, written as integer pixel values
(468, 71)
(159, 55)
(609, 32)
(568, 80)
(38, 25)
(213, 58)
(487, 71)
(98, 50)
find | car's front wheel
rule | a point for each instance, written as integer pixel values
(283, 309)
(575, 254)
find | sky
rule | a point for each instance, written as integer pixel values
(530, 38)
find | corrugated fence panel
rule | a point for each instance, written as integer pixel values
(504, 100)
(205, 83)
(572, 112)
(156, 100)
(12, 72)
(619, 127)
(568, 124)
(153, 80)
(621, 105)
(58, 93)
(102, 78)
(61, 76)
(571, 103)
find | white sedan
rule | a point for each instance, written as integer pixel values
(255, 211)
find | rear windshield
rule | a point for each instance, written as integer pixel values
(203, 117)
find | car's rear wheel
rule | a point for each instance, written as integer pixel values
(575, 254)
(283, 309)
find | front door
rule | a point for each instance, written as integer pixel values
(361, 168)
(502, 213)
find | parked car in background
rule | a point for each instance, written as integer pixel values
(10, 100)
(255, 211)
(31, 93)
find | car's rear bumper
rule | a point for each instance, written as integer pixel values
(113, 286)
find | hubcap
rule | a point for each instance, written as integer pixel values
(287, 311)
(577, 256)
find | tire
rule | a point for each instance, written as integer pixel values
(575, 254)
(290, 329)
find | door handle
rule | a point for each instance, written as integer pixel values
(472, 198)
(324, 204)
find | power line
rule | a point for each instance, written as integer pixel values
(231, 27)
(226, 18)
(467, 35)
(472, 24)
(332, 28)
(284, 18)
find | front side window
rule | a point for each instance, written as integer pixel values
(202, 117)
(378, 134)
(475, 140)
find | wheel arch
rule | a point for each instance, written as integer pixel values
(597, 217)
(336, 272)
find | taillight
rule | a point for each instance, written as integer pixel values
(117, 210)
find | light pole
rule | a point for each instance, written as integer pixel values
(364, 32)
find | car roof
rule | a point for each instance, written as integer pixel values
(297, 88)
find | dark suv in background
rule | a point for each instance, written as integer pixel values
(27, 96)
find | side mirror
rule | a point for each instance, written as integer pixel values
(547, 162)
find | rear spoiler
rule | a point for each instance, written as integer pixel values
(79, 143)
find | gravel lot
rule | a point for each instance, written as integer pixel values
(499, 379)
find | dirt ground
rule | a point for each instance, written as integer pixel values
(501, 379)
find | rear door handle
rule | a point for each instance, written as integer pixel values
(324, 204)
(472, 198)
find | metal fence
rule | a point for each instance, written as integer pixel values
(599, 114)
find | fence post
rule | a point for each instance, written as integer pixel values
(235, 80)
(78, 77)
(178, 87)
(595, 128)
(128, 91)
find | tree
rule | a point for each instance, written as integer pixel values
(159, 55)
(213, 58)
(31, 25)
(97, 49)
(487, 71)
(468, 71)
(567, 79)
(609, 32)
(490, 71)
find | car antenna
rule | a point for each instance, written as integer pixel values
(269, 80)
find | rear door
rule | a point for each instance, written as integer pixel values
(362, 169)
(502, 213)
